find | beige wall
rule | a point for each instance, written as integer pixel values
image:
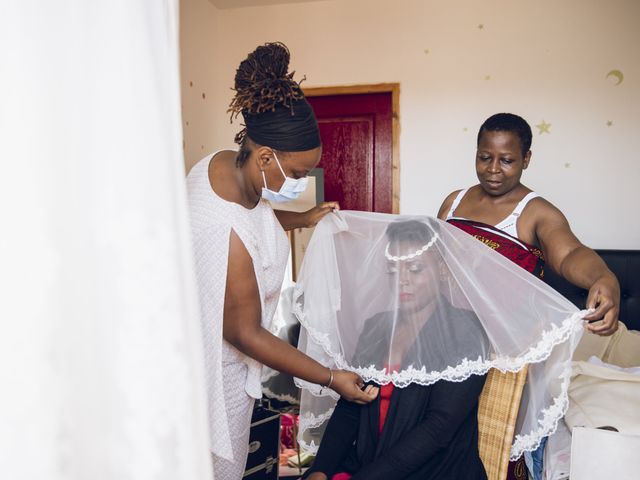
(203, 92)
(457, 62)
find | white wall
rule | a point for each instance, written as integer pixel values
(204, 91)
(546, 60)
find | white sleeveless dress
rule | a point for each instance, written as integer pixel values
(233, 379)
(510, 224)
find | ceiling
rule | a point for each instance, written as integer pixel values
(227, 4)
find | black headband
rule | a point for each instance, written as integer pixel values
(288, 129)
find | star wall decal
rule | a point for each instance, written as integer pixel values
(543, 127)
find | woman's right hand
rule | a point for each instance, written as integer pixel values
(349, 386)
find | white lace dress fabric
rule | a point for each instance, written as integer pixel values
(101, 365)
(212, 220)
(415, 300)
(509, 224)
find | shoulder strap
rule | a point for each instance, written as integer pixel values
(523, 203)
(456, 202)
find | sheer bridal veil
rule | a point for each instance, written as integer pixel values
(416, 300)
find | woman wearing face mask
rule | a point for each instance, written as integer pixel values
(241, 250)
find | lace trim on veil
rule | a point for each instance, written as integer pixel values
(548, 423)
(268, 374)
(458, 373)
(309, 421)
(283, 397)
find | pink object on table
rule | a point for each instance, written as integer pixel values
(341, 476)
(287, 437)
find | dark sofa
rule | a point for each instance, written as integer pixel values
(625, 264)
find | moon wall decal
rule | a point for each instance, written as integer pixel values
(617, 74)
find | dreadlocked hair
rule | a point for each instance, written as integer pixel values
(262, 83)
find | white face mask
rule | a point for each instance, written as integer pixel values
(290, 189)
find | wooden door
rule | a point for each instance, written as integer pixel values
(359, 157)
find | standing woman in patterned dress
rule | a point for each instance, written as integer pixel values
(241, 250)
(507, 216)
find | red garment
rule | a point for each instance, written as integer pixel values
(385, 399)
(341, 476)
(522, 254)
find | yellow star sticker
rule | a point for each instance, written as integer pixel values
(487, 77)
(480, 26)
(543, 127)
(609, 123)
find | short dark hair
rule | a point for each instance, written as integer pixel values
(508, 122)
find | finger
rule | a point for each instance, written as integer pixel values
(331, 205)
(600, 311)
(608, 325)
(371, 391)
(592, 299)
(601, 327)
(606, 310)
(604, 331)
(363, 397)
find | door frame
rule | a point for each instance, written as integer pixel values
(394, 89)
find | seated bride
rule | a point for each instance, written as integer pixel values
(419, 431)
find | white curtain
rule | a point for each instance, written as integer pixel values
(100, 358)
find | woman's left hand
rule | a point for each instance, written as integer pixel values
(604, 297)
(317, 213)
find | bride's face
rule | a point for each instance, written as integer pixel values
(414, 281)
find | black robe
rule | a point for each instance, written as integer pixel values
(431, 432)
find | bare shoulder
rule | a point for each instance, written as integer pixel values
(446, 204)
(221, 163)
(543, 212)
(538, 220)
